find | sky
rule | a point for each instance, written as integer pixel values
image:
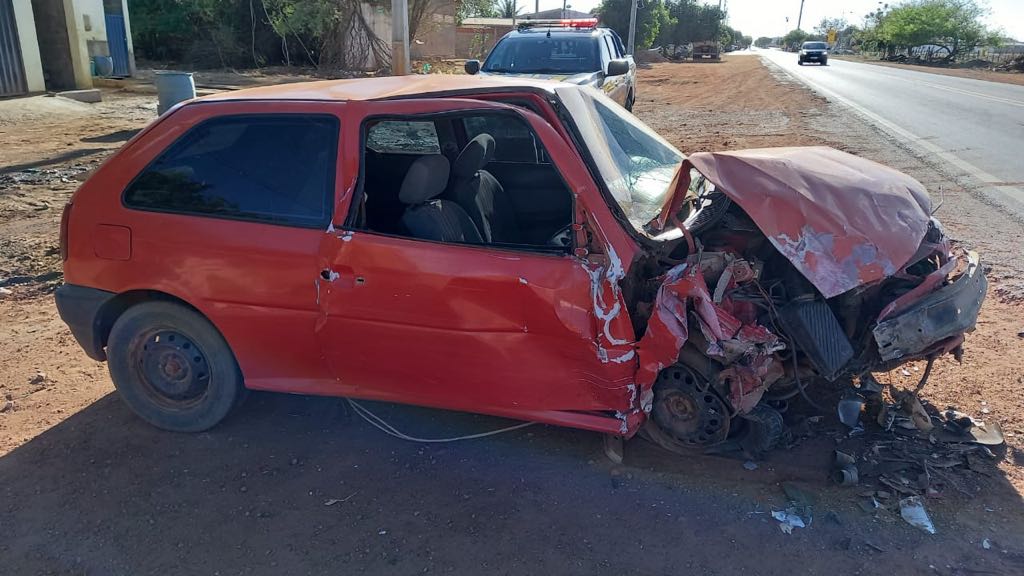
(768, 17)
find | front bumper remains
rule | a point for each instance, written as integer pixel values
(945, 313)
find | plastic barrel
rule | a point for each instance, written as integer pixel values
(173, 87)
(104, 65)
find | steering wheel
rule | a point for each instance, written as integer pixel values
(562, 238)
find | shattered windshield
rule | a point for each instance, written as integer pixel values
(637, 165)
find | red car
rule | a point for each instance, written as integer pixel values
(513, 247)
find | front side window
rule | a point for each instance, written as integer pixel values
(274, 168)
(514, 140)
(537, 54)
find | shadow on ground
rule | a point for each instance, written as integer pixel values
(295, 485)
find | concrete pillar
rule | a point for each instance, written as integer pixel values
(32, 63)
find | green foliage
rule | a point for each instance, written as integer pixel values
(795, 37)
(692, 21)
(763, 42)
(475, 9)
(953, 24)
(651, 16)
(508, 8)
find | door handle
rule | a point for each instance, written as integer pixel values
(346, 278)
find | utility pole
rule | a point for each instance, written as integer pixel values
(631, 45)
(800, 17)
(399, 37)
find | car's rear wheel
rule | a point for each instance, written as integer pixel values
(172, 367)
(630, 100)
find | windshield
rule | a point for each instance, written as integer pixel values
(537, 54)
(636, 164)
(815, 46)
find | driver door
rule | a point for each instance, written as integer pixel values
(464, 326)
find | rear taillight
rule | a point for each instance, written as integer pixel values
(64, 218)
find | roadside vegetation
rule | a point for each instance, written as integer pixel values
(934, 32)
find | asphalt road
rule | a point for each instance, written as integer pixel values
(975, 126)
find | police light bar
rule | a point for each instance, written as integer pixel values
(559, 23)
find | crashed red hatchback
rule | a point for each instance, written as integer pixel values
(504, 246)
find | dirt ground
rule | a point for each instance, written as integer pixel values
(300, 485)
(975, 73)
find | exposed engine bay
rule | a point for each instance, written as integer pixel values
(735, 326)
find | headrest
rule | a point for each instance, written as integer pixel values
(477, 153)
(427, 178)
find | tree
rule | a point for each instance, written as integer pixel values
(763, 42)
(651, 15)
(691, 21)
(794, 38)
(827, 24)
(475, 8)
(954, 25)
(508, 8)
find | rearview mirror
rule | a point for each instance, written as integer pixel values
(472, 66)
(618, 67)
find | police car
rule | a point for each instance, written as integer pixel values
(575, 51)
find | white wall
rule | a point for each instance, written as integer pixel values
(31, 62)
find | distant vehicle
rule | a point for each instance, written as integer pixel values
(814, 52)
(707, 50)
(575, 51)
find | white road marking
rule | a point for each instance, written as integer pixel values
(1005, 192)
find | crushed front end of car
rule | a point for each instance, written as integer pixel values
(794, 270)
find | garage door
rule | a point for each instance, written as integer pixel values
(12, 75)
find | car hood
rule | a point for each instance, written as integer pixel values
(842, 220)
(580, 78)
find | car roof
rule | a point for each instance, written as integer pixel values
(387, 87)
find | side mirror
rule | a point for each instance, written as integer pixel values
(472, 66)
(617, 67)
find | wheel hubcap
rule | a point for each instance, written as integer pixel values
(173, 367)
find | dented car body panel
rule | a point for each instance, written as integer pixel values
(842, 220)
(581, 335)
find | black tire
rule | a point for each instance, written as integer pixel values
(173, 368)
(800, 62)
(630, 100)
(824, 62)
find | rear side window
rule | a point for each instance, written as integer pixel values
(403, 137)
(275, 168)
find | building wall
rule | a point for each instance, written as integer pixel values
(476, 41)
(54, 45)
(436, 36)
(87, 33)
(32, 65)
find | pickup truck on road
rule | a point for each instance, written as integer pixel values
(574, 51)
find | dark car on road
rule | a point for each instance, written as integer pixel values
(814, 52)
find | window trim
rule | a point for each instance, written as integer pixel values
(359, 192)
(329, 194)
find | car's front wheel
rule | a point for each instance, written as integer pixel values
(172, 367)
(800, 62)
(824, 61)
(630, 100)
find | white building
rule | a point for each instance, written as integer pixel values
(54, 44)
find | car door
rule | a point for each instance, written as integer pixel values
(469, 327)
(223, 205)
(616, 87)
